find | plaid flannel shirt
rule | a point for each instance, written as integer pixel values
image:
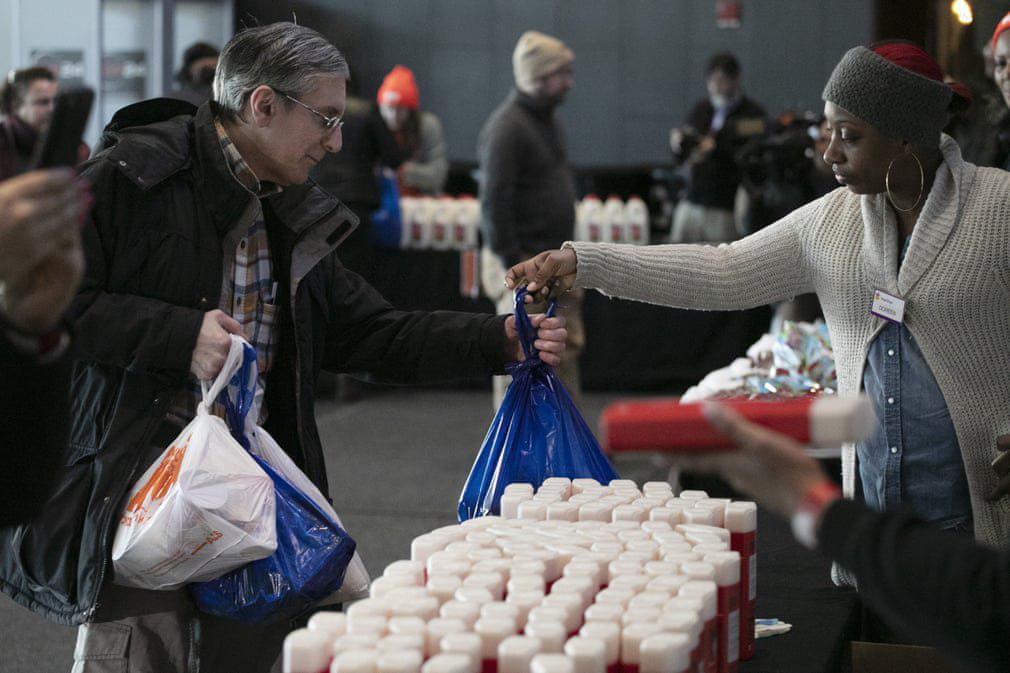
(247, 288)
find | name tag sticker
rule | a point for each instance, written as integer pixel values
(888, 307)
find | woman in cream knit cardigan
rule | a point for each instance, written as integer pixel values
(913, 221)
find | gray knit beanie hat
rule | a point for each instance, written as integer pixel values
(900, 103)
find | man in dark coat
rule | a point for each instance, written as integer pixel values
(527, 194)
(206, 224)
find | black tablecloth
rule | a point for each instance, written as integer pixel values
(636, 346)
(421, 280)
(630, 345)
(794, 584)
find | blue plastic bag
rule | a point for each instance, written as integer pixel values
(537, 433)
(313, 551)
(387, 221)
(311, 558)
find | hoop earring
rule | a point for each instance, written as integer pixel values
(922, 184)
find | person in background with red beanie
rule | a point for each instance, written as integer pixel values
(419, 134)
(982, 130)
(910, 263)
(1000, 45)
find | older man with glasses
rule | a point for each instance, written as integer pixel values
(206, 224)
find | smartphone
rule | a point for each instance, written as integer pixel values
(61, 143)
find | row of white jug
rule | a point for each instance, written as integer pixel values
(443, 223)
(447, 223)
(612, 221)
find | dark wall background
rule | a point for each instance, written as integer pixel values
(639, 63)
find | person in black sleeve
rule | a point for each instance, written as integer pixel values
(929, 585)
(41, 263)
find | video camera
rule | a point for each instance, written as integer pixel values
(782, 157)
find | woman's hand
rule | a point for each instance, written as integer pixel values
(553, 270)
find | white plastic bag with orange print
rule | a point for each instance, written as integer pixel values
(202, 509)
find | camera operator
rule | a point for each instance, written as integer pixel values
(706, 146)
(785, 170)
(779, 174)
(196, 75)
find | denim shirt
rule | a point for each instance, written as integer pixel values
(913, 457)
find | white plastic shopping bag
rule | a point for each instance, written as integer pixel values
(263, 446)
(244, 403)
(202, 509)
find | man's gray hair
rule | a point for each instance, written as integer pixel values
(284, 56)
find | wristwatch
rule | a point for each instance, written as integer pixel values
(808, 512)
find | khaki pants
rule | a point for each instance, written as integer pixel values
(492, 275)
(140, 631)
(699, 224)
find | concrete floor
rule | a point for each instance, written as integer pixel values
(397, 461)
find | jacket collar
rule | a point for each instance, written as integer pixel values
(239, 169)
(936, 222)
(536, 106)
(224, 196)
(298, 207)
(153, 140)
(148, 141)
(321, 230)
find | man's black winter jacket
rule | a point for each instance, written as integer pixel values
(164, 203)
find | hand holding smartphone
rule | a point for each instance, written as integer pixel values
(60, 145)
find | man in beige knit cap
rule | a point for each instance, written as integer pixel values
(527, 195)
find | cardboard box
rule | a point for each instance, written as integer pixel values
(882, 658)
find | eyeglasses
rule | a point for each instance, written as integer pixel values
(329, 123)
